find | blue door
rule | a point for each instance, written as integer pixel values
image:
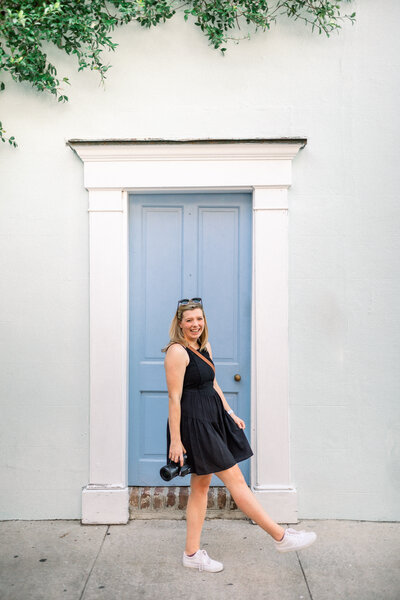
(182, 246)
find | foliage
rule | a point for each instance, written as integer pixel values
(83, 28)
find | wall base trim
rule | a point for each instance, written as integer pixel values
(280, 504)
(105, 505)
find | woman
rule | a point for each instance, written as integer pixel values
(202, 425)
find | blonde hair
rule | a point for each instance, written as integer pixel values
(175, 332)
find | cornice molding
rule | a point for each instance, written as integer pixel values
(190, 150)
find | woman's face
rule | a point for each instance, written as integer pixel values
(192, 324)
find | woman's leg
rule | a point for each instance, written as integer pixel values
(196, 511)
(247, 502)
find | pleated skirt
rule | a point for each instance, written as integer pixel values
(212, 440)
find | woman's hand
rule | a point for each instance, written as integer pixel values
(176, 452)
(239, 422)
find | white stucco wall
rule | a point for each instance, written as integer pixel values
(341, 94)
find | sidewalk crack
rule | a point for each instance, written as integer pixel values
(304, 576)
(94, 562)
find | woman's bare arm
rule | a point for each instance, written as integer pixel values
(237, 419)
(175, 363)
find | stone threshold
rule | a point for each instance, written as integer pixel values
(170, 503)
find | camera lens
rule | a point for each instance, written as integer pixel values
(169, 471)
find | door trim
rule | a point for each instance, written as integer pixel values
(111, 171)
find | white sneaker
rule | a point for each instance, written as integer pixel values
(202, 562)
(295, 540)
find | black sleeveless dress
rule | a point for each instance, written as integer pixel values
(212, 440)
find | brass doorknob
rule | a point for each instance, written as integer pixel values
(237, 377)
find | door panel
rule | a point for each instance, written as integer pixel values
(185, 245)
(218, 276)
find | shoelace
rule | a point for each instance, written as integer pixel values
(205, 560)
(295, 531)
(290, 530)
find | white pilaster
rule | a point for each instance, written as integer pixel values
(105, 498)
(271, 465)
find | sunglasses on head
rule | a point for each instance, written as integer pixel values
(184, 301)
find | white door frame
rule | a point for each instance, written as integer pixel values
(111, 170)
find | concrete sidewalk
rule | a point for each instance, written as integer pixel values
(52, 560)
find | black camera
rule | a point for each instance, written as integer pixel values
(173, 469)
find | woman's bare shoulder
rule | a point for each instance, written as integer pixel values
(176, 347)
(176, 352)
(208, 346)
